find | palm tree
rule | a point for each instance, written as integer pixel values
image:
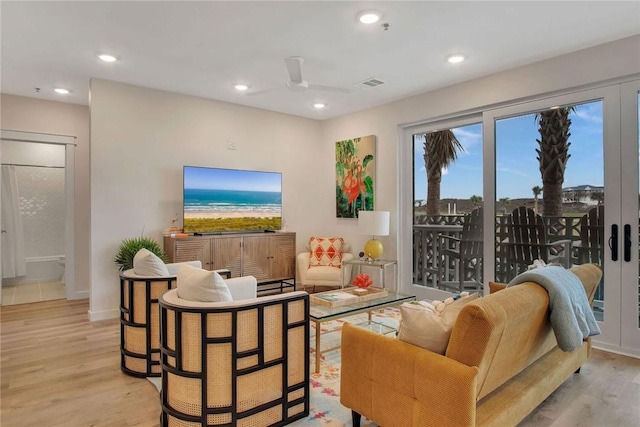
(553, 154)
(475, 200)
(536, 192)
(440, 149)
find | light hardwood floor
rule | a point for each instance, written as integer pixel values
(60, 369)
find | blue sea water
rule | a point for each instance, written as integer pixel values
(199, 200)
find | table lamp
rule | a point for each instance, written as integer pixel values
(373, 223)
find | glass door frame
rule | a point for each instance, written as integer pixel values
(406, 212)
(620, 329)
(630, 149)
(611, 151)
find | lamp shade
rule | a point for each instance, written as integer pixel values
(373, 223)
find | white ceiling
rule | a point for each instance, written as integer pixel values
(204, 48)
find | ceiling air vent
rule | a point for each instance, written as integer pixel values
(369, 83)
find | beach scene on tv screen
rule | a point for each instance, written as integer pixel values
(217, 200)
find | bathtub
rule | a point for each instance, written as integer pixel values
(40, 269)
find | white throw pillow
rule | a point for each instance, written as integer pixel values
(429, 324)
(148, 264)
(196, 284)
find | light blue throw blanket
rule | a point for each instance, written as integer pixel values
(570, 313)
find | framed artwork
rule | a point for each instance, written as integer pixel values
(355, 175)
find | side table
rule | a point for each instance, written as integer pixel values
(380, 264)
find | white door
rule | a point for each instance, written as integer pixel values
(630, 280)
(601, 171)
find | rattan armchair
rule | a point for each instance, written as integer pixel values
(240, 363)
(140, 320)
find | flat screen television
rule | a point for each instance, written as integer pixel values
(219, 200)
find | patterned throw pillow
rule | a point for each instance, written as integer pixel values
(325, 251)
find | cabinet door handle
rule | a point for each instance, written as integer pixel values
(627, 242)
(613, 242)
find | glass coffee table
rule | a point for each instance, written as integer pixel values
(320, 313)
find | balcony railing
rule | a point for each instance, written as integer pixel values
(427, 228)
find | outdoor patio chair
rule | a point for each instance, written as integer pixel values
(591, 246)
(528, 241)
(464, 254)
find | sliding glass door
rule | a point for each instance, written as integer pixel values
(565, 191)
(446, 227)
(630, 186)
(566, 166)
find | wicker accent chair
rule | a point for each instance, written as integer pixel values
(140, 319)
(240, 363)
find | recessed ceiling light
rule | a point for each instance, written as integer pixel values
(369, 17)
(61, 91)
(319, 105)
(107, 58)
(454, 59)
(241, 87)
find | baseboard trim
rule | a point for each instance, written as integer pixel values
(103, 315)
(81, 295)
(615, 349)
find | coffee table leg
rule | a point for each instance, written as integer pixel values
(317, 347)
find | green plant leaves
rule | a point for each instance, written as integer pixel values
(129, 247)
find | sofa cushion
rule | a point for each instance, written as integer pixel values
(429, 324)
(322, 273)
(325, 251)
(195, 284)
(148, 264)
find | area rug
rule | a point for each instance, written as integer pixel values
(325, 407)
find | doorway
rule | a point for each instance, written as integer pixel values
(37, 217)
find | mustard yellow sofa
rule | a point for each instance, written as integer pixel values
(502, 361)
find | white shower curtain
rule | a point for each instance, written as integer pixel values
(14, 262)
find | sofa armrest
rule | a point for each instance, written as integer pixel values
(244, 287)
(590, 275)
(395, 383)
(173, 267)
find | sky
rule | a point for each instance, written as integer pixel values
(517, 169)
(231, 179)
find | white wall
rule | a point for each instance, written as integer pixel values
(141, 139)
(36, 115)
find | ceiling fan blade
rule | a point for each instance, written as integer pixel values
(329, 88)
(260, 92)
(294, 66)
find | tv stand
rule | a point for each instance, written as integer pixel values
(268, 256)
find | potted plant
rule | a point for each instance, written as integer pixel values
(129, 247)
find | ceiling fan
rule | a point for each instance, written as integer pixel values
(297, 84)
